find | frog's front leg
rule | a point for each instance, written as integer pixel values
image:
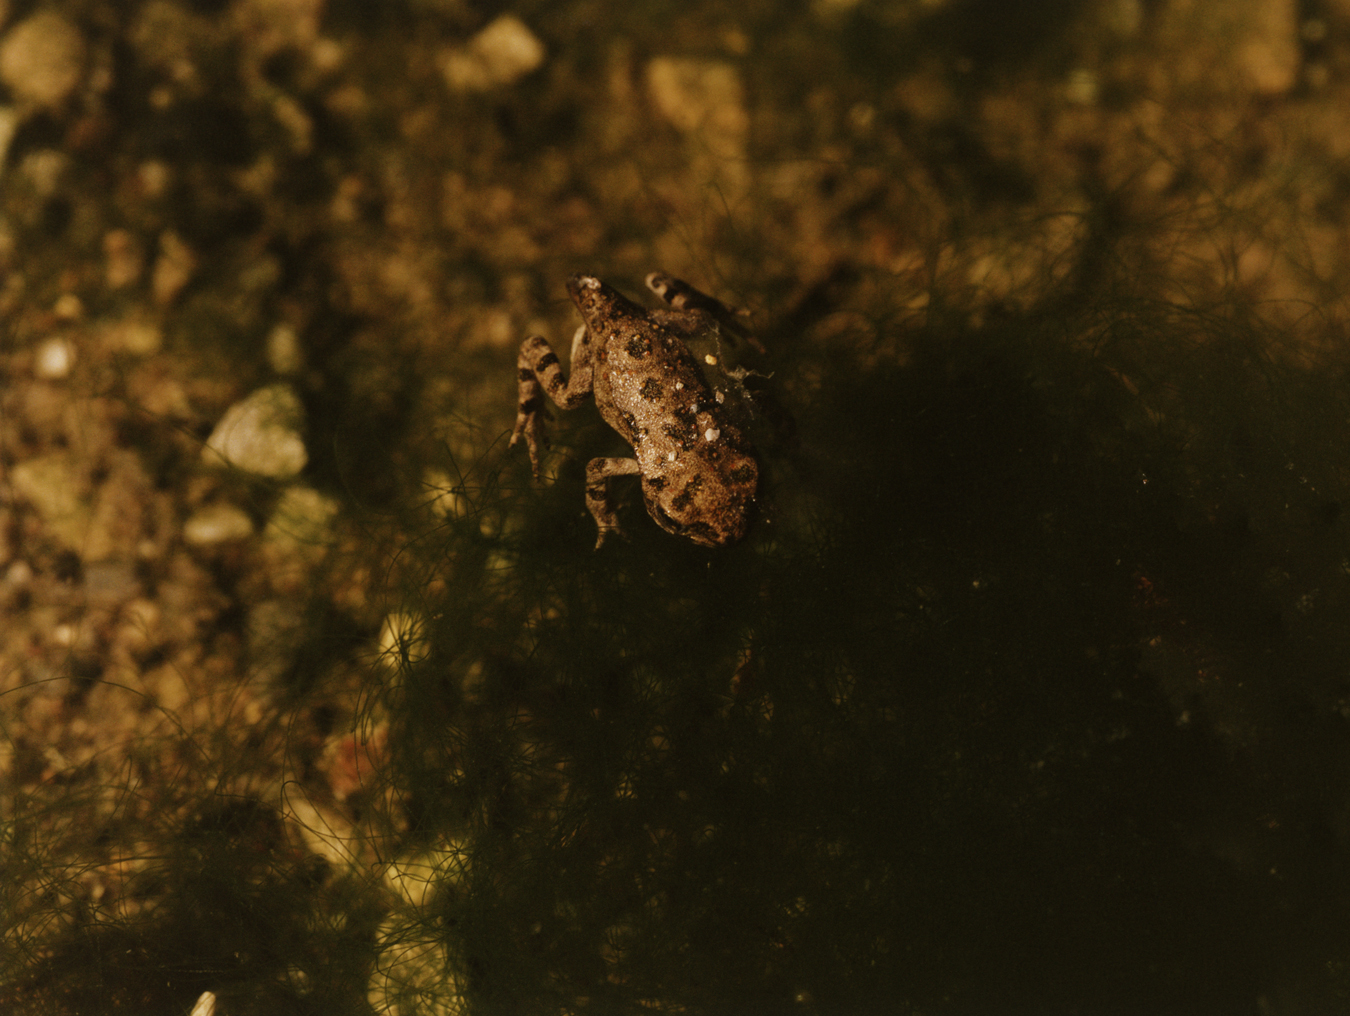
(539, 371)
(598, 473)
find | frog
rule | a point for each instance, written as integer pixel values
(699, 473)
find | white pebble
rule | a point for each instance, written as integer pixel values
(503, 52)
(42, 59)
(217, 523)
(402, 639)
(54, 359)
(19, 574)
(261, 434)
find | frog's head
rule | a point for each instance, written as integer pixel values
(713, 506)
(596, 301)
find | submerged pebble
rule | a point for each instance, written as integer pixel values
(42, 59)
(503, 52)
(217, 523)
(54, 359)
(261, 434)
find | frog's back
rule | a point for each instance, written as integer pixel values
(699, 474)
(646, 380)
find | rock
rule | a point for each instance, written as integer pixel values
(131, 335)
(705, 101)
(303, 518)
(56, 488)
(261, 434)
(68, 307)
(402, 640)
(1243, 46)
(275, 633)
(285, 355)
(270, 26)
(108, 583)
(9, 124)
(54, 359)
(502, 53)
(699, 96)
(43, 168)
(42, 59)
(124, 257)
(122, 500)
(217, 523)
(1270, 54)
(173, 267)
(297, 537)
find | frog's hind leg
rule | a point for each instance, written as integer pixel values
(693, 302)
(598, 474)
(538, 371)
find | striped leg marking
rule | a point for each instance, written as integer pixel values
(598, 474)
(685, 298)
(538, 371)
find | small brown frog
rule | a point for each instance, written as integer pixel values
(699, 473)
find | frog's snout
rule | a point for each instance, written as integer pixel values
(579, 282)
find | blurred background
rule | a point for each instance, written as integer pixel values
(1029, 690)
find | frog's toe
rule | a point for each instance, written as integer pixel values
(534, 460)
(531, 428)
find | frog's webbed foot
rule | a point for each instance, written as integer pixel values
(684, 297)
(598, 473)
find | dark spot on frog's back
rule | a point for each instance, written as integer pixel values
(681, 500)
(744, 473)
(638, 346)
(681, 434)
(650, 390)
(631, 427)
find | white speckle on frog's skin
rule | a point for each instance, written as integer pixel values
(634, 361)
